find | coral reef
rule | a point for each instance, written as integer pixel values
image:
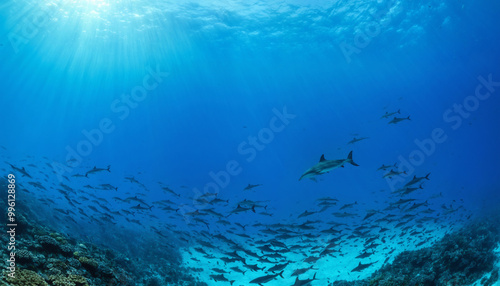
(70, 280)
(54, 259)
(460, 258)
(26, 278)
(24, 256)
(89, 264)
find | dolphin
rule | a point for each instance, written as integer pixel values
(139, 207)
(417, 179)
(362, 266)
(325, 166)
(305, 282)
(278, 267)
(397, 120)
(354, 140)
(240, 209)
(306, 213)
(250, 186)
(265, 279)
(393, 173)
(221, 278)
(95, 170)
(20, 170)
(389, 114)
(384, 167)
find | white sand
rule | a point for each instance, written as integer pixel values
(330, 268)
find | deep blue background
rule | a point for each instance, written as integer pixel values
(230, 64)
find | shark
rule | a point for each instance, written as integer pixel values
(325, 166)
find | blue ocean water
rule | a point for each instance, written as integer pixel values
(203, 97)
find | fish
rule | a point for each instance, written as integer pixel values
(389, 114)
(266, 278)
(21, 170)
(325, 166)
(96, 170)
(354, 140)
(250, 186)
(362, 266)
(397, 120)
